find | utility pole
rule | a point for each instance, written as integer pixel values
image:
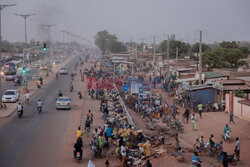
(25, 16)
(1, 8)
(200, 57)
(168, 55)
(49, 27)
(154, 50)
(176, 58)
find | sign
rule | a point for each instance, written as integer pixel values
(125, 88)
(108, 64)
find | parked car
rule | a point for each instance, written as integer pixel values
(63, 71)
(10, 96)
(63, 103)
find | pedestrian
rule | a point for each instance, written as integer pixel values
(200, 107)
(224, 159)
(211, 145)
(100, 144)
(237, 149)
(109, 133)
(186, 114)
(148, 163)
(194, 122)
(196, 162)
(107, 163)
(123, 154)
(231, 115)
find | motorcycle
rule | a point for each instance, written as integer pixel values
(17, 82)
(78, 157)
(71, 88)
(80, 95)
(39, 109)
(39, 84)
(20, 113)
(227, 136)
(94, 151)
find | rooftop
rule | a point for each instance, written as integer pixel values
(232, 82)
(210, 75)
(235, 87)
(245, 102)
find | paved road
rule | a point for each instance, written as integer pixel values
(37, 139)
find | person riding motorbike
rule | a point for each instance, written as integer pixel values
(60, 94)
(19, 110)
(39, 105)
(226, 129)
(71, 87)
(80, 94)
(27, 97)
(78, 148)
(90, 115)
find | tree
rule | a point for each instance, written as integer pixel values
(103, 40)
(117, 47)
(196, 46)
(223, 58)
(227, 44)
(183, 47)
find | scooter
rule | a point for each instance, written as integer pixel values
(78, 157)
(39, 109)
(227, 136)
(20, 113)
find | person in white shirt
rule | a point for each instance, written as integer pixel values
(27, 97)
(237, 148)
(123, 153)
(20, 108)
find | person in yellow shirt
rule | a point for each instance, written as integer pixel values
(79, 133)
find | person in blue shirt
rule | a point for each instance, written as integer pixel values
(196, 160)
(108, 133)
(225, 129)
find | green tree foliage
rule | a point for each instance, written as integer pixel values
(223, 58)
(227, 44)
(195, 48)
(183, 47)
(108, 42)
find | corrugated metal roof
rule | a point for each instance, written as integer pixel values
(245, 102)
(209, 75)
(232, 82)
(199, 87)
(235, 87)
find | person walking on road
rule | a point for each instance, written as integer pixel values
(186, 114)
(237, 149)
(123, 153)
(231, 119)
(200, 107)
(194, 122)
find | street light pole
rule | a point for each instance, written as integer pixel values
(25, 16)
(1, 8)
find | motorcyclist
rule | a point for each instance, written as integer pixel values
(60, 94)
(71, 87)
(226, 129)
(39, 105)
(80, 94)
(41, 80)
(27, 97)
(20, 108)
(90, 115)
(78, 148)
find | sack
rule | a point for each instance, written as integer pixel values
(91, 164)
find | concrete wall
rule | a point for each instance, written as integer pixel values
(237, 108)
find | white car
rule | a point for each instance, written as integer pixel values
(63, 71)
(38, 65)
(11, 96)
(63, 103)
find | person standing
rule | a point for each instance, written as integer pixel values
(196, 162)
(200, 107)
(194, 122)
(237, 149)
(186, 114)
(123, 153)
(231, 119)
(148, 163)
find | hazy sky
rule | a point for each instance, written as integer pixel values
(130, 19)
